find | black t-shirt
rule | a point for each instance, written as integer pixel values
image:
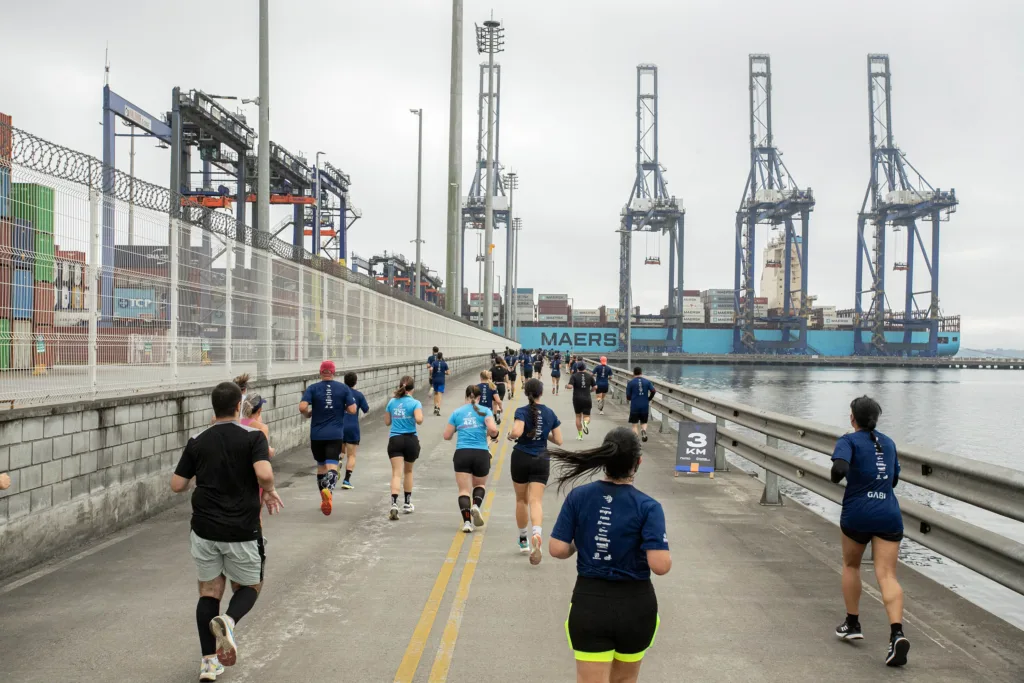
(226, 500)
(581, 383)
(498, 373)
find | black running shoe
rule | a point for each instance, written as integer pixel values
(899, 646)
(643, 435)
(847, 632)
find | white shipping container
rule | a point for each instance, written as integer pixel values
(587, 311)
(21, 345)
(552, 297)
(552, 318)
(585, 319)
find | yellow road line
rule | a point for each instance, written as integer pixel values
(414, 651)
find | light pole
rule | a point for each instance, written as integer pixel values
(489, 40)
(511, 184)
(517, 225)
(419, 202)
(263, 187)
(317, 221)
(629, 300)
(453, 265)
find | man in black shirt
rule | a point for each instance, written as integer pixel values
(230, 464)
(582, 383)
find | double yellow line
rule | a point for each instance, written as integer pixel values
(418, 642)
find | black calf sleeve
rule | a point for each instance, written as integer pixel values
(464, 507)
(478, 496)
(241, 602)
(206, 609)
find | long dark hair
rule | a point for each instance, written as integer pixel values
(618, 455)
(865, 412)
(473, 392)
(534, 389)
(405, 387)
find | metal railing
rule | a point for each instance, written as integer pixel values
(103, 292)
(991, 487)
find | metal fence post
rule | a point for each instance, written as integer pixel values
(229, 261)
(268, 284)
(325, 298)
(93, 284)
(721, 462)
(301, 351)
(172, 329)
(771, 496)
(665, 425)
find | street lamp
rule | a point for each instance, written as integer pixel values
(517, 225)
(490, 40)
(419, 201)
(511, 184)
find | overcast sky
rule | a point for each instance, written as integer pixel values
(344, 75)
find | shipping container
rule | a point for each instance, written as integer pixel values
(44, 256)
(34, 203)
(44, 346)
(6, 140)
(5, 191)
(22, 290)
(22, 243)
(6, 249)
(553, 297)
(5, 291)
(5, 344)
(21, 345)
(45, 300)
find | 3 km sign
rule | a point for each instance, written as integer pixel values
(695, 450)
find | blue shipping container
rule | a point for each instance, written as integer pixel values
(22, 290)
(5, 192)
(23, 243)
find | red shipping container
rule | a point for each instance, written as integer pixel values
(6, 249)
(43, 309)
(6, 140)
(5, 291)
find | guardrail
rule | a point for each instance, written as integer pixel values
(990, 487)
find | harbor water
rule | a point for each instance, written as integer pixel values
(969, 413)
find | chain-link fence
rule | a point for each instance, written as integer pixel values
(103, 293)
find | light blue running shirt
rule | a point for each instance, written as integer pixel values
(403, 420)
(470, 427)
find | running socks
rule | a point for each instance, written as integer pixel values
(321, 481)
(330, 480)
(464, 507)
(854, 620)
(478, 496)
(408, 497)
(394, 499)
(348, 475)
(522, 534)
(537, 531)
(242, 601)
(894, 629)
(206, 609)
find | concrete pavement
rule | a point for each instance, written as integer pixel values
(753, 594)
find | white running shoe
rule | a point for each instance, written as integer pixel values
(210, 669)
(393, 513)
(579, 437)
(478, 519)
(524, 546)
(586, 427)
(467, 527)
(408, 508)
(535, 549)
(222, 627)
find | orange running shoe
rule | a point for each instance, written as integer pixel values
(326, 502)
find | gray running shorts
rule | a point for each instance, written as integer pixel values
(241, 561)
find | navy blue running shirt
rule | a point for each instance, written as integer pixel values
(613, 527)
(534, 439)
(438, 371)
(639, 392)
(486, 396)
(602, 373)
(869, 504)
(329, 399)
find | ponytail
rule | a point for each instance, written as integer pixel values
(473, 393)
(618, 455)
(486, 377)
(405, 387)
(534, 389)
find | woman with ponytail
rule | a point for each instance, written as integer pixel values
(871, 514)
(474, 423)
(535, 425)
(402, 414)
(489, 397)
(619, 534)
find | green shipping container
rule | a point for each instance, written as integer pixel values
(34, 203)
(44, 257)
(5, 344)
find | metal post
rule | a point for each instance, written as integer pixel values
(486, 317)
(666, 426)
(229, 264)
(770, 495)
(300, 352)
(418, 291)
(510, 294)
(629, 301)
(721, 463)
(131, 192)
(453, 298)
(323, 312)
(517, 226)
(93, 281)
(263, 188)
(172, 327)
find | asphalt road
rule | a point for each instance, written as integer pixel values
(753, 594)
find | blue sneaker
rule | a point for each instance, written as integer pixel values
(210, 669)
(347, 484)
(524, 546)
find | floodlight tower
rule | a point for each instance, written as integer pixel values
(896, 197)
(650, 208)
(770, 197)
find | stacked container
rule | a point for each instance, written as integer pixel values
(32, 207)
(6, 238)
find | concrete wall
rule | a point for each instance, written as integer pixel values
(85, 469)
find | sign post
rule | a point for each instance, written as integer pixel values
(695, 448)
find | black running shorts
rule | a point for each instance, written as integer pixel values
(639, 416)
(612, 620)
(406, 446)
(512, 376)
(530, 469)
(501, 390)
(527, 374)
(475, 461)
(327, 451)
(582, 406)
(864, 537)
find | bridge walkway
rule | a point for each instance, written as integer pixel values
(753, 594)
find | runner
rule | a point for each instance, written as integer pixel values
(535, 425)
(430, 368)
(402, 414)
(474, 424)
(871, 514)
(538, 362)
(602, 373)
(352, 429)
(438, 372)
(581, 383)
(512, 360)
(243, 383)
(252, 416)
(620, 535)
(326, 403)
(499, 373)
(639, 392)
(556, 372)
(489, 395)
(230, 464)
(526, 359)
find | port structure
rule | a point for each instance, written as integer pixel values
(650, 208)
(897, 197)
(473, 211)
(327, 221)
(771, 197)
(395, 270)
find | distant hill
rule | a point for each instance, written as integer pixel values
(992, 353)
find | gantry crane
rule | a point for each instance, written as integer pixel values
(650, 208)
(770, 197)
(897, 196)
